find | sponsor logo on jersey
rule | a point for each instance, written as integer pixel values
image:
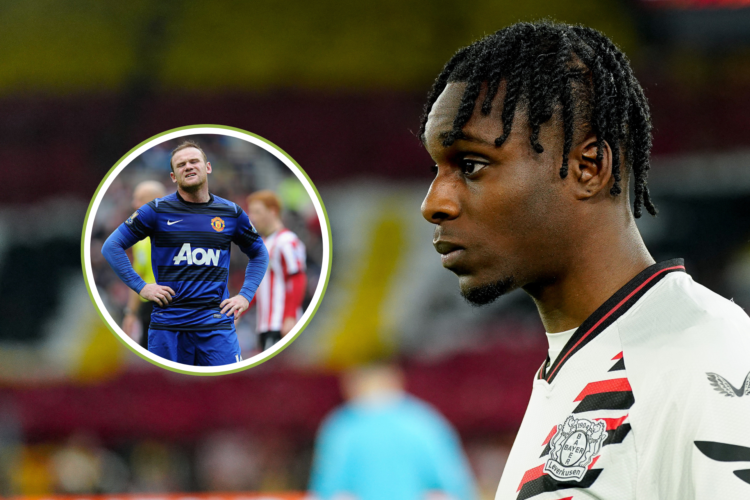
(129, 222)
(217, 316)
(217, 223)
(722, 386)
(575, 444)
(197, 256)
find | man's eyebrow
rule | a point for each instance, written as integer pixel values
(468, 138)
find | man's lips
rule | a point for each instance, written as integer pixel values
(449, 250)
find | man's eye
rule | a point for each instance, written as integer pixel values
(471, 167)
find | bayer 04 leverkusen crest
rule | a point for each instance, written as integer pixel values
(574, 445)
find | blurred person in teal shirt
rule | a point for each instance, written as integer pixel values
(386, 444)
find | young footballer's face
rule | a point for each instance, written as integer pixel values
(262, 217)
(500, 214)
(189, 169)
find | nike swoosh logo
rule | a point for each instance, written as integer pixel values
(170, 222)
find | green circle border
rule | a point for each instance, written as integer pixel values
(88, 285)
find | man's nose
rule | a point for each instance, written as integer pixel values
(441, 202)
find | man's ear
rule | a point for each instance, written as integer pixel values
(590, 169)
(209, 168)
(171, 175)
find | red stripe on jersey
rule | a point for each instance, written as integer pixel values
(614, 385)
(593, 461)
(612, 423)
(611, 311)
(617, 356)
(530, 475)
(549, 436)
(286, 257)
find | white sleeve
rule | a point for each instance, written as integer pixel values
(289, 254)
(693, 426)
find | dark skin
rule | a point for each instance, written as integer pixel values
(505, 219)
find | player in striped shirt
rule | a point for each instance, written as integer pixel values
(191, 233)
(537, 132)
(280, 295)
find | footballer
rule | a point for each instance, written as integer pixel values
(538, 133)
(280, 295)
(191, 232)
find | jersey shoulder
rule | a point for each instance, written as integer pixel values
(287, 237)
(681, 329)
(223, 202)
(678, 307)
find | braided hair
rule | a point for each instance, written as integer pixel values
(547, 67)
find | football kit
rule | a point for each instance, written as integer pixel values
(281, 292)
(190, 254)
(641, 401)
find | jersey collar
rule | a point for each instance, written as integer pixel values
(617, 305)
(193, 204)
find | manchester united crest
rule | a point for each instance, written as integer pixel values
(217, 223)
(574, 445)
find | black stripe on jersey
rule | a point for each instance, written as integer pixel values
(743, 474)
(620, 365)
(196, 303)
(138, 228)
(609, 312)
(616, 400)
(723, 452)
(547, 483)
(191, 328)
(183, 207)
(197, 238)
(192, 273)
(246, 239)
(614, 436)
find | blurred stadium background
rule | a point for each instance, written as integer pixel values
(339, 87)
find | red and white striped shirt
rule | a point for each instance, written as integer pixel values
(280, 294)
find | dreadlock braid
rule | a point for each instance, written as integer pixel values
(551, 67)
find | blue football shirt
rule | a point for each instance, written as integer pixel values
(190, 250)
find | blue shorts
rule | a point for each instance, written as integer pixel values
(216, 348)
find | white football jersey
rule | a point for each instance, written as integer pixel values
(286, 256)
(649, 399)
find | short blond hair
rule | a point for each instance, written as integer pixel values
(184, 145)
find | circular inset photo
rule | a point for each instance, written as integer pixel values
(206, 250)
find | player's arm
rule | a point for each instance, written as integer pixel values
(137, 227)
(295, 281)
(695, 414)
(719, 446)
(131, 313)
(251, 244)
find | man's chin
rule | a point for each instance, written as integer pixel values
(485, 293)
(192, 187)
